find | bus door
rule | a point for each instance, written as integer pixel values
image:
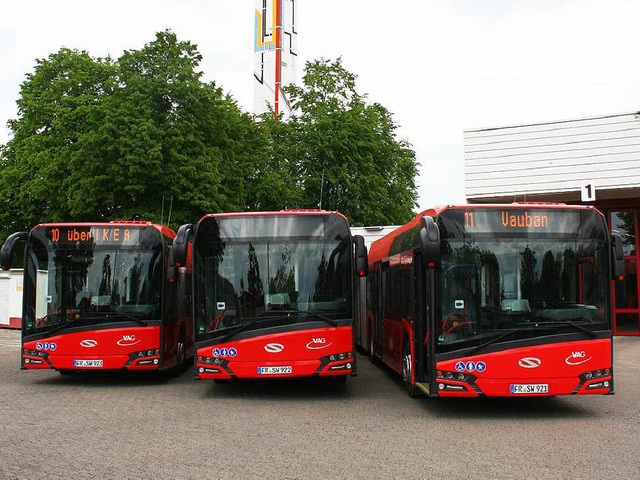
(380, 308)
(169, 317)
(424, 323)
(430, 266)
(360, 321)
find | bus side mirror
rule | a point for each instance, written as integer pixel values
(617, 257)
(430, 240)
(172, 270)
(180, 246)
(6, 252)
(362, 259)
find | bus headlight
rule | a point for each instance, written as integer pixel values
(600, 373)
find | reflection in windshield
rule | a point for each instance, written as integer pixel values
(276, 282)
(91, 286)
(529, 285)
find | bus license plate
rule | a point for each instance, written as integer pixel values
(87, 363)
(285, 370)
(519, 388)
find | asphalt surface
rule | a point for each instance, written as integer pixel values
(146, 426)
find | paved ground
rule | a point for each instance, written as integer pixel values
(114, 426)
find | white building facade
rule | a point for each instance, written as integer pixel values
(11, 298)
(593, 161)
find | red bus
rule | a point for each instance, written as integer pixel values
(101, 296)
(273, 294)
(496, 300)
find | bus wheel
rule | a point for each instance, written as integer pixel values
(406, 370)
(182, 354)
(179, 367)
(372, 355)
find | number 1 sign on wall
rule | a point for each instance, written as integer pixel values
(588, 192)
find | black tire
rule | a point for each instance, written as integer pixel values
(407, 366)
(372, 355)
(180, 365)
(182, 354)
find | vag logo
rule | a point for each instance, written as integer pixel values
(128, 340)
(577, 358)
(317, 343)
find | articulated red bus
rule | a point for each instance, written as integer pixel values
(496, 300)
(102, 296)
(274, 294)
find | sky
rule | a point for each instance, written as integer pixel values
(440, 67)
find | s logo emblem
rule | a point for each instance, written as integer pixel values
(529, 362)
(88, 343)
(274, 347)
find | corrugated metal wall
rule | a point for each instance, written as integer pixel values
(553, 157)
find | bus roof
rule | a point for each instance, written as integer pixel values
(301, 212)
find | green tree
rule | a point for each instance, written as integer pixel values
(59, 106)
(345, 151)
(97, 139)
(272, 179)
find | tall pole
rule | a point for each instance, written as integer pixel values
(278, 33)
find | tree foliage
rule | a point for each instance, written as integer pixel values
(98, 139)
(347, 154)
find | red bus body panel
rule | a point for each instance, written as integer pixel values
(307, 352)
(112, 346)
(558, 365)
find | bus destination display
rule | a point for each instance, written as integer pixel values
(517, 220)
(70, 235)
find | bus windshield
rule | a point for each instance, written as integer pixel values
(88, 282)
(526, 286)
(268, 282)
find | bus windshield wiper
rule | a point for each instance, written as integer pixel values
(66, 324)
(245, 326)
(493, 340)
(128, 316)
(502, 337)
(506, 334)
(568, 323)
(317, 315)
(116, 316)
